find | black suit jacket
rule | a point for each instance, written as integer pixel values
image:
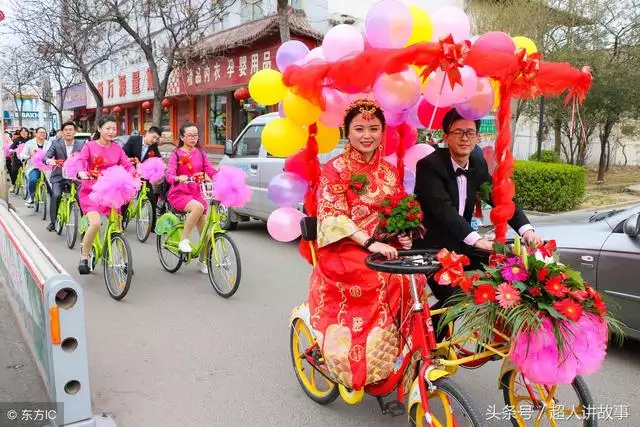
(57, 150)
(133, 148)
(437, 191)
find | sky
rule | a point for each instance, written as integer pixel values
(6, 37)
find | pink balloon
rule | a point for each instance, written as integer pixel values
(388, 24)
(392, 158)
(496, 41)
(474, 39)
(414, 116)
(440, 95)
(399, 91)
(341, 41)
(415, 154)
(480, 104)
(451, 20)
(284, 224)
(393, 118)
(334, 100)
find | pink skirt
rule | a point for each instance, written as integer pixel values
(181, 194)
(86, 204)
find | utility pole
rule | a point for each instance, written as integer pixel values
(540, 128)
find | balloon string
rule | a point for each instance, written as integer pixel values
(435, 107)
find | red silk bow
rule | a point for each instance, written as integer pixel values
(452, 272)
(547, 249)
(98, 163)
(529, 64)
(450, 60)
(186, 162)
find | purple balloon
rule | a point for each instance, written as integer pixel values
(290, 52)
(388, 24)
(394, 118)
(287, 189)
(480, 104)
(281, 110)
(409, 181)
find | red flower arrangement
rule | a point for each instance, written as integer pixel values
(400, 214)
(186, 162)
(97, 166)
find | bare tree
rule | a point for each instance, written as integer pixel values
(166, 31)
(18, 77)
(283, 20)
(63, 76)
(63, 31)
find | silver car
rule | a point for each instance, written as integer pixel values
(605, 248)
(248, 153)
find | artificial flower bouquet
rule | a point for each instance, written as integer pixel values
(558, 323)
(400, 215)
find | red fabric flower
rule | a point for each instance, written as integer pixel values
(186, 162)
(420, 216)
(547, 249)
(555, 287)
(358, 185)
(412, 217)
(151, 154)
(496, 260)
(466, 283)
(484, 294)
(383, 223)
(569, 308)
(543, 273)
(534, 291)
(452, 267)
(388, 210)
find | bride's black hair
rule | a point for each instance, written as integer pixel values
(363, 106)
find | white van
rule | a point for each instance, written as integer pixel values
(247, 153)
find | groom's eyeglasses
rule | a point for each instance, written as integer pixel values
(459, 133)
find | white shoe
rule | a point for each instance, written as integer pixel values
(202, 267)
(185, 246)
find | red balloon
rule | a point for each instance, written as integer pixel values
(392, 138)
(425, 112)
(299, 164)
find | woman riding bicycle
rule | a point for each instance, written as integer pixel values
(188, 165)
(355, 311)
(96, 156)
(30, 148)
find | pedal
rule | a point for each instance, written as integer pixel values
(393, 408)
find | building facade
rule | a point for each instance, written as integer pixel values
(33, 110)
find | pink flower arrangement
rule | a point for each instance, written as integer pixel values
(514, 270)
(507, 295)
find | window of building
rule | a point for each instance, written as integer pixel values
(249, 143)
(296, 4)
(217, 119)
(251, 10)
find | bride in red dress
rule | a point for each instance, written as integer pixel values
(357, 313)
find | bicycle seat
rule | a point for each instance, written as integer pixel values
(421, 261)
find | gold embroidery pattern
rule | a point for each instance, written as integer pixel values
(336, 351)
(382, 350)
(316, 313)
(382, 300)
(355, 291)
(343, 305)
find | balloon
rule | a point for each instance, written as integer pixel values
(331, 119)
(451, 20)
(266, 87)
(297, 164)
(283, 137)
(287, 189)
(413, 119)
(425, 113)
(415, 154)
(284, 224)
(480, 104)
(281, 110)
(474, 39)
(290, 52)
(327, 137)
(442, 95)
(392, 138)
(490, 156)
(397, 92)
(315, 55)
(392, 158)
(422, 28)
(335, 105)
(394, 118)
(495, 84)
(388, 24)
(496, 41)
(409, 181)
(340, 41)
(524, 43)
(300, 110)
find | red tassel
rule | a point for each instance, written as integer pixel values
(313, 174)
(478, 213)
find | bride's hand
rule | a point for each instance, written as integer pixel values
(388, 251)
(405, 241)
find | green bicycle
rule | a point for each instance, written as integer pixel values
(223, 260)
(68, 217)
(41, 196)
(22, 182)
(112, 248)
(142, 210)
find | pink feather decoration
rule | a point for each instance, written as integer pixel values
(114, 188)
(152, 169)
(230, 187)
(536, 354)
(7, 149)
(72, 166)
(38, 161)
(19, 148)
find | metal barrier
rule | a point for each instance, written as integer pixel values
(49, 307)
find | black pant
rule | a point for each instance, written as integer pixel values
(14, 166)
(57, 188)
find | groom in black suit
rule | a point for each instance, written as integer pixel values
(447, 185)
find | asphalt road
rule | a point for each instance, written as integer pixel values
(173, 353)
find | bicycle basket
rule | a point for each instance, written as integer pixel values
(206, 189)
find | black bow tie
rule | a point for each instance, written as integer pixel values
(461, 171)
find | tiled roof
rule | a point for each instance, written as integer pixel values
(245, 34)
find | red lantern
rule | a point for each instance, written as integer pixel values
(105, 110)
(241, 94)
(166, 103)
(147, 105)
(116, 109)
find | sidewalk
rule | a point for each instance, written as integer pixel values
(19, 378)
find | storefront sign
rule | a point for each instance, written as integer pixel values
(74, 97)
(130, 86)
(27, 115)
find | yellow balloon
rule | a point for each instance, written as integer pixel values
(524, 43)
(300, 110)
(496, 94)
(266, 87)
(282, 137)
(328, 138)
(422, 29)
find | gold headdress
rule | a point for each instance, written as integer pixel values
(366, 107)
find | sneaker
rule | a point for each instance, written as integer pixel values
(202, 267)
(83, 267)
(185, 246)
(29, 202)
(51, 227)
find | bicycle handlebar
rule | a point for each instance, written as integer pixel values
(408, 262)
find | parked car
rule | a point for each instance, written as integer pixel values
(82, 136)
(121, 139)
(605, 248)
(248, 153)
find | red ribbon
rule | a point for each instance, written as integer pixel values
(451, 58)
(186, 162)
(452, 272)
(547, 249)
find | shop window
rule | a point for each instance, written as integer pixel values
(135, 119)
(217, 119)
(249, 111)
(249, 143)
